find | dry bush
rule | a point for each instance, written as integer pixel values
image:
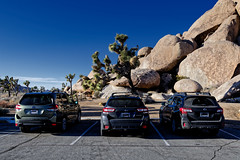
(3, 104)
(6, 104)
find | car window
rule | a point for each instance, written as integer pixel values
(177, 100)
(125, 103)
(36, 99)
(170, 101)
(64, 99)
(70, 99)
(201, 101)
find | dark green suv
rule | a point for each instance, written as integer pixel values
(46, 109)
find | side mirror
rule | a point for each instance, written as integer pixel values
(102, 104)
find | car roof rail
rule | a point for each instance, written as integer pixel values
(123, 94)
(194, 93)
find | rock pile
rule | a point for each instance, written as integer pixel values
(208, 54)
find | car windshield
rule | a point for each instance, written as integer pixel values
(201, 101)
(36, 99)
(125, 103)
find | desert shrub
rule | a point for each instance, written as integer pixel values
(3, 104)
(178, 77)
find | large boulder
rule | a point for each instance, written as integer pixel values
(144, 51)
(187, 85)
(78, 86)
(159, 96)
(122, 82)
(228, 30)
(210, 20)
(108, 90)
(167, 53)
(145, 78)
(213, 64)
(91, 74)
(227, 89)
(141, 78)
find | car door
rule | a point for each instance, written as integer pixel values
(71, 108)
(173, 108)
(178, 102)
(65, 106)
(166, 109)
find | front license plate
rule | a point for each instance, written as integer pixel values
(34, 111)
(125, 115)
(204, 114)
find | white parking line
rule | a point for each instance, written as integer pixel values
(167, 144)
(83, 134)
(229, 134)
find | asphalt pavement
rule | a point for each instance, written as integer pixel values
(83, 141)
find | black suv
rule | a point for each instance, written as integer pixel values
(124, 111)
(46, 109)
(192, 110)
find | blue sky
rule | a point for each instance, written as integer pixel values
(44, 40)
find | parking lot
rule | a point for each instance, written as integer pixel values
(83, 141)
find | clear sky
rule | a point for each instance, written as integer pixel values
(44, 40)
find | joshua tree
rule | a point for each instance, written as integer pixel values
(6, 84)
(69, 78)
(42, 89)
(127, 60)
(64, 85)
(53, 89)
(9, 84)
(100, 78)
(34, 89)
(27, 83)
(15, 86)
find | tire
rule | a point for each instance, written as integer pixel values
(25, 129)
(161, 122)
(174, 126)
(213, 132)
(145, 133)
(63, 126)
(78, 120)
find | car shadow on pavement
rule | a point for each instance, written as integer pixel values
(230, 131)
(92, 128)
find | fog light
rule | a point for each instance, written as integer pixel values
(106, 127)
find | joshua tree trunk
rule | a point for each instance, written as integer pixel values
(71, 87)
(133, 89)
(9, 93)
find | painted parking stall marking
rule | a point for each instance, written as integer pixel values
(167, 144)
(83, 134)
(230, 134)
